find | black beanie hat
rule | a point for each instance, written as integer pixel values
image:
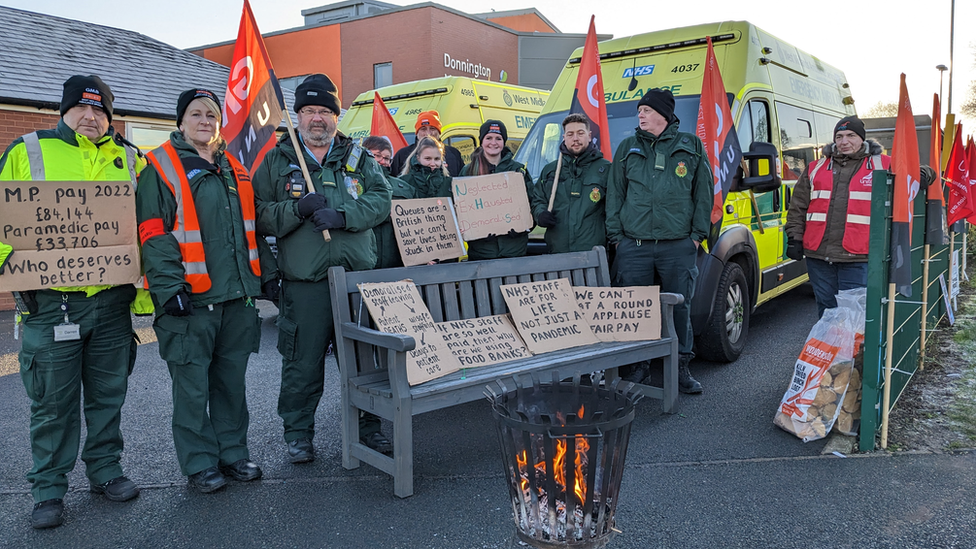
(319, 90)
(850, 123)
(188, 96)
(493, 126)
(661, 101)
(87, 90)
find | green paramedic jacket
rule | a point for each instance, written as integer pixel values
(362, 195)
(660, 188)
(580, 205)
(218, 208)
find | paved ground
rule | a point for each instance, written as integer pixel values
(716, 474)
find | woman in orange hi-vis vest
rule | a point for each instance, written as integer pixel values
(204, 265)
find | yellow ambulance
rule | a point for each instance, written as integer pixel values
(778, 94)
(463, 104)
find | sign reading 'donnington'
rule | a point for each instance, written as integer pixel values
(491, 204)
(547, 315)
(484, 340)
(396, 308)
(68, 233)
(622, 314)
(426, 229)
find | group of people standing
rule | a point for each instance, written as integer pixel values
(202, 219)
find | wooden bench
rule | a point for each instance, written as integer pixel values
(372, 364)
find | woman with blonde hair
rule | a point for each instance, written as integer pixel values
(203, 263)
(426, 170)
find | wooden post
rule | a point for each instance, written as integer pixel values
(300, 153)
(555, 182)
(925, 303)
(952, 267)
(889, 352)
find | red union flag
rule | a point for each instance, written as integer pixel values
(935, 200)
(717, 133)
(589, 86)
(905, 164)
(957, 174)
(253, 101)
(384, 126)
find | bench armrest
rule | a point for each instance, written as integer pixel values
(396, 342)
(672, 299)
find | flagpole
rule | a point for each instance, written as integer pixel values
(889, 355)
(555, 182)
(925, 301)
(300, 153)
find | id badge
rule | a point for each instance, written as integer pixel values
(67, 332)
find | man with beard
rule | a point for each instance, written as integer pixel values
(351, 198)
(577, 220)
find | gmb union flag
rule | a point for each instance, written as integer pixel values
(253, 101)
(718, 135)
(589, 85)
(905, 164)
(935, 218)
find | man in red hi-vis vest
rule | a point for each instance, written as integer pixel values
(829, 220)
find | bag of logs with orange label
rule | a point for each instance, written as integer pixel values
(822, 373)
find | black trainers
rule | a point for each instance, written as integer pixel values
(117, 489)
(377, 441)
(208, 480)
(242, 470)
(48, 514)
(301, 451)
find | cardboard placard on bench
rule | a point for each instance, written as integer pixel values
(483, 341)
(547, 316)
(68, 233)
(396, 308)
(426, 229)
(630, 313)
(491, 204)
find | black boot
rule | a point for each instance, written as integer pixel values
(635, 373)
(687, 384)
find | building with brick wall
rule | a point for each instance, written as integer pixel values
(39, 52)
(367, 44)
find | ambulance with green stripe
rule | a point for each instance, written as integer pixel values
(779, 95)
(462, 103)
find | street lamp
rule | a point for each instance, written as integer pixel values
(941, 69)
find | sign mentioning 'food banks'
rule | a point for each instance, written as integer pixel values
(622, 314)
(483, 341)
(426, 229)
(68, 233)
(396, 308)
(547, 316)
(491, 204)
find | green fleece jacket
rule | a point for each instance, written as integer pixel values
(580, 205)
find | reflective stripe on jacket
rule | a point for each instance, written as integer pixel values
(857, 224)
(186, 228)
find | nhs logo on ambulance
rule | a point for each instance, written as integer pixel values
(646, 70)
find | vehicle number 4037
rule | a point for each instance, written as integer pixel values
(686, 68)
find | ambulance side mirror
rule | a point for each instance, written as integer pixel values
(760, 169)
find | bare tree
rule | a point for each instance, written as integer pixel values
(968, 106)
(882, 110)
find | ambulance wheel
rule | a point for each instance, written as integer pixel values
(725, 334)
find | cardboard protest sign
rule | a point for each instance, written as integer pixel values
(396, 308)
(491, 204)
(622, 314)
(483, 341)
(69, 233)
(426, 229)
(547, 315)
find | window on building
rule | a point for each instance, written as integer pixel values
(382, 75)
(147, 136)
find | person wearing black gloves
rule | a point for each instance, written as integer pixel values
(493, 156)
(204, 264)
(577, 221)
(352, 197)
(829, 219)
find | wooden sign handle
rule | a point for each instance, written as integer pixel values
(301, 162)
(555, 181)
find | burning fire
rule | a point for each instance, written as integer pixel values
(579, 483)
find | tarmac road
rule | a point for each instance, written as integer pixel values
(716, 474)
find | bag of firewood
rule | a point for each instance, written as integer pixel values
(821, 376)
(850, 410)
